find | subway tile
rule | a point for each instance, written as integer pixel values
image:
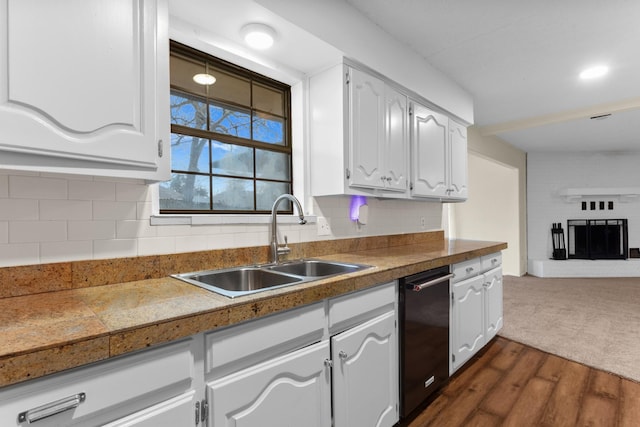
(4, 232)
(191, 243)
(91, 230)
(65, 209)
(131, 229)
(4, 186)
(19, 254)
(116, 248)
(65, 251)
(37, 231)
(92, 190)
(144, 210)
(19, 209)
(126, 192)
(35, 187)
(114, 210)
(156, 245)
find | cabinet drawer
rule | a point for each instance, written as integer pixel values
(491, 261)
(243, 345)
(107, 390)
(466, 269)
(349, 310)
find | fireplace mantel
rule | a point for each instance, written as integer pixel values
(625, 194)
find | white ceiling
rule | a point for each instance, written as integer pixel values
(520, 61)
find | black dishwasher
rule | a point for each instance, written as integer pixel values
(424, 337)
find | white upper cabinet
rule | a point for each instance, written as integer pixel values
(84, 87)
(438, 156)
(358, 135)
(366, 130)
(458, 161)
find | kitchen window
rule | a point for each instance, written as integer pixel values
(230, 138)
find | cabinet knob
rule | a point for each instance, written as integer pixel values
(342, 355)
(469, 269)
(328, 363)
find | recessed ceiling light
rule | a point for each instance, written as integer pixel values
(594, 72)
(204, 79)
(258, 36)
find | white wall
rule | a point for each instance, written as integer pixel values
(548, 173)
(52, 218)
(491, 212)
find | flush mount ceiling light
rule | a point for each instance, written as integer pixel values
(594, 72)
(258, 36)
(204, 79)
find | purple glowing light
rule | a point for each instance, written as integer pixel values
(356, 202)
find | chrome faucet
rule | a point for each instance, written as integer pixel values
(276, 251)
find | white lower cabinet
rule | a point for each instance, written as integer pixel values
(290, 390)
(476, 313)
(173, 412)
(365, 373)
(108, 391)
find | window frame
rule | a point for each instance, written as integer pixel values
(253, 78)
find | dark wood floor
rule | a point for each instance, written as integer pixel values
(511, 384)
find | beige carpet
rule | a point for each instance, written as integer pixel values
(594, 321)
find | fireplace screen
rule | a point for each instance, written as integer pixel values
(597, 239)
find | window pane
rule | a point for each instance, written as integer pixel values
(189, 153)
(229, 121)
(229, 159)
(272, 165)
(268, 192)
(232, 194)
(182, 71)
(229, 87)
(185, 192)
(188, 111)
(267, 99)
(268, 129)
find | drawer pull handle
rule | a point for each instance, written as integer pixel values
(52, 408)
(421, 286)
(469, 269)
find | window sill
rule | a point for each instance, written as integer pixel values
(226, 219)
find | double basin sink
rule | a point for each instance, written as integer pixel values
(240, 281)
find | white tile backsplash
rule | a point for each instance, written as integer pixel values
(91, 230)
(65, 251)
(4, 186)
(35, 187)
(92, 190)
(19, 209)
(66, 210)
(37, 231)
(52, 218)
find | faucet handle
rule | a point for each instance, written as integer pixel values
(285, 249)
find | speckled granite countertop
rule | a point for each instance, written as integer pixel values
(48, 332)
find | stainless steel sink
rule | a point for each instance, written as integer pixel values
(315, 268)
(239, 281)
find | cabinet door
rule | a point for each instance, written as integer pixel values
(467, 323)
(179, 411)
(366, 114)
(89, 96)
(493, 302)
(396, 141)
(457, 161)
(429, 140)
(291, 390)
(365, 374)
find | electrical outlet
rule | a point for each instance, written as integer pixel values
(423, 222)
(323, 226)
